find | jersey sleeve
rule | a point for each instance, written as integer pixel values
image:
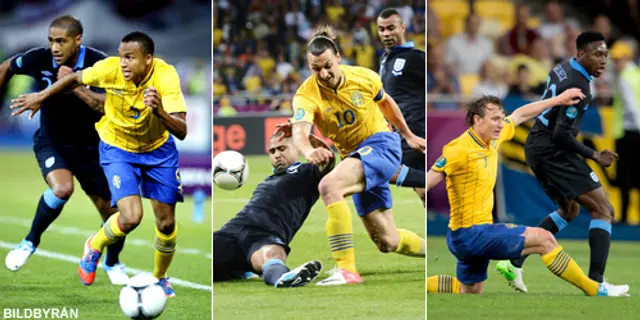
(376, 86)
(101, 74)
(562, 132)
(26, 63)
(453, 157)
(508, 131)
(303, 109)
(170, 92)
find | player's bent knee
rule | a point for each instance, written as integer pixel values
(387, 244)
(166, 225)
(327, 186)
(129, 221)
(471, 289)
(63, 190)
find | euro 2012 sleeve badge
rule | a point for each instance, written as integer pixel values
(116, 181)
(441, 162)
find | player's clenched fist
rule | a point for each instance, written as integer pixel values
(319, 156)
(152, 100)
(605, 158)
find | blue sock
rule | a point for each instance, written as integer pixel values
(599, 242)
(272, 270)
(560, 222)
(49, 208)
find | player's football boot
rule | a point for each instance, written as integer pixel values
(166, 286)
(300, 276)
(341, 277)
(512, 274)
(117, 274)
(19, 256)
(88, 263)
(610, 290)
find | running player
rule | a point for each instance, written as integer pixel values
(66, 143)
(349, 107)
(402, 72)
(144, 109)
(470, 164)
(557, 159)
(257, 239)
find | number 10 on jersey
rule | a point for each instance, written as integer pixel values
(348, 117)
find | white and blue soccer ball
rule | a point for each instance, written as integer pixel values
(230, 170)
(143, 297)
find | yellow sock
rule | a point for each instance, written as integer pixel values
(165, 248)
(443, 284)
(410, 244)
(563, 266)
(340, 233)
(108, 234)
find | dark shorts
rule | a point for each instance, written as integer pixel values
(83, 162)
(476, 246)
(564, 176)
(233, 247)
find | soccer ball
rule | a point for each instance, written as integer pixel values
(230, 170)
(142, 297)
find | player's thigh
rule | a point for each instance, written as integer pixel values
(414, 159)
(347, 178)
(380, 156)
(492, 241)
(228, 259)
(92, 179)
(267, 243)
(123, 179)
(162, 184)
(570, 176)
(471, 272)
(54, 167)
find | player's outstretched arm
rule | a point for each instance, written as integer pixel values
(434, 178)
(94, 100)
(33, 101)
(392, 112)
(301, 132)
(531, 110)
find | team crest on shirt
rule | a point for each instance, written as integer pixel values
(356, 98)
(46, 73)
(441, 162)
(572, 112)
(398, 65)
(116, 181)
(293, 168)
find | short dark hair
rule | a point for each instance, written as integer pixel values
(143, 39)
(72, 25)
(388, 12)
(588, 37)
(323, 39)
(479, 106)
(522, 67)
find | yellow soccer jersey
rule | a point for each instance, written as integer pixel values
(471, 168)
(129, 124)
(348, 115)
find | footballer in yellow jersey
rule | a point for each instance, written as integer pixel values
(144, 109)
(349, 106)
(469, 164)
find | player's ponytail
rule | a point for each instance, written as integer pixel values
(323, 39)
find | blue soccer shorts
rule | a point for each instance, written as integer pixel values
(155, 174)
(476, 246)
(380, 155)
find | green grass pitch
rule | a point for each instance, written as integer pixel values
(549, 297)
(393, 287)
(51, 280)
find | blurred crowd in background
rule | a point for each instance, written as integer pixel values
(506, 48)
(260, 46)
(166, 20)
